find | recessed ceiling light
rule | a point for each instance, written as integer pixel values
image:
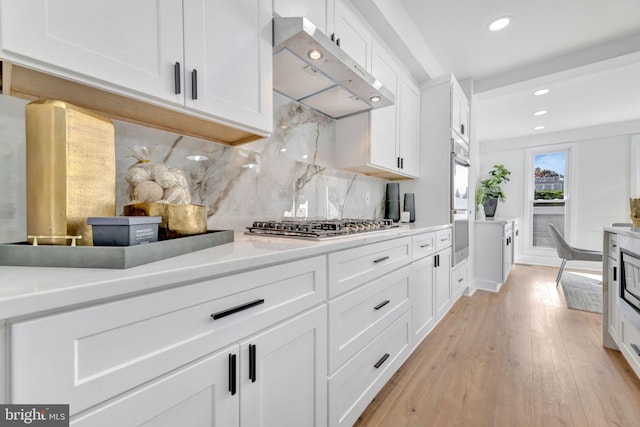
(540, 113)
(374, 99)
(314, 54)
(538, 128)
(283, 149)
(541, 92)
(500, 23)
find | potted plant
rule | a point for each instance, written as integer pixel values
(491, 190)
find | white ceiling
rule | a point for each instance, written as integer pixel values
(587, 52)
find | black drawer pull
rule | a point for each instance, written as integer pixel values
(384, 258)
(615, 273)
(252, 362)
(194, 84)
(636, 349)
(176, 76)
(338, 41)
(428, 245)
(460, 280)
(232, 374)
(382, 304)
(236, 309)
(381, 361)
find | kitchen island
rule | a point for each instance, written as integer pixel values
(119, 340)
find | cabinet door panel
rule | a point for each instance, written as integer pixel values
(355, 38)
(229, 45)
(409, 139)
(197, 396)
(133, 45)
(290, 387)
(422, 295)
(384, 132)
(443, 283)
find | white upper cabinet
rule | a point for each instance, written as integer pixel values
(459, 111)
(148, 50)
(319, 12)
(383, 142)
(228, 46)
(352, 34)
(133, 45)
(409, 119)
(384, 121)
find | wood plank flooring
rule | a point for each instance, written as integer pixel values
(516, 358)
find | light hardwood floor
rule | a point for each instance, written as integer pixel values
(516, 358)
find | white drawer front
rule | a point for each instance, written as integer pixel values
(443, 239)
(459, 277)
(358, 316)
(353, 387)
(88, 355)
(423, 245)
(353, 267)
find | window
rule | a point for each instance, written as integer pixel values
(548, 195)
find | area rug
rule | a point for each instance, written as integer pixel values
(582, 292)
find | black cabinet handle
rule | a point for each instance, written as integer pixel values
(460, 280)
(398, 161)
(333, 37)
(517, 232)
(252, 362)
(236, 309)
(436, 260)
(384, 258)
(194, 84)
(338, 42)
(176, 77)
(232, 374)
(381, 361)
(401, 162)
(615, 273)
(427, 245)
(382, 304)
(636, 349)
(462, 128)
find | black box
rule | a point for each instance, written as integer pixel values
(124, 230)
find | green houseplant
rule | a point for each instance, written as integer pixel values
(491, 189)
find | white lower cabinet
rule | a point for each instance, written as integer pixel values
(356, 383)
(422, 298)
(459, 280)
(442, 281)
(283, 374)
(200, 395)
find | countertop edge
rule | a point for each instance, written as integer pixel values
(32, 291)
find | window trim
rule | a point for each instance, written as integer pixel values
(530, 189)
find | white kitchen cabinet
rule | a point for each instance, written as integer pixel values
(409, 120)
(459, 111)
(319, 12)
(433, 186)
(358, 381)
(98, 355)
(442, 282)
(459, 279)
(283, 373)
(211, 57)
(493, 241)
(614, 287)
(357, 317)
(202, 394)
(422, 298)
(352, 33)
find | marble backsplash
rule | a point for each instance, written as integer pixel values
(288, 174)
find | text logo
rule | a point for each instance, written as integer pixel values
(34, 415)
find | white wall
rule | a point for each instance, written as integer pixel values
(600, 187)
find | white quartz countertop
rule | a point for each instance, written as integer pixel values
(25, 291)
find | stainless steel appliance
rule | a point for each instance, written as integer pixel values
(460, 199)
(311, 68)
(630, 278)
(318, 229)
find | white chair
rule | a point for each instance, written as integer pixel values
(568, 252)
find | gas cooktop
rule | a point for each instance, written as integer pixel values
(318, 229)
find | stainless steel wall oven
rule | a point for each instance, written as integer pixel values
(460, 166)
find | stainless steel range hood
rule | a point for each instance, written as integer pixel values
(333, 84)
